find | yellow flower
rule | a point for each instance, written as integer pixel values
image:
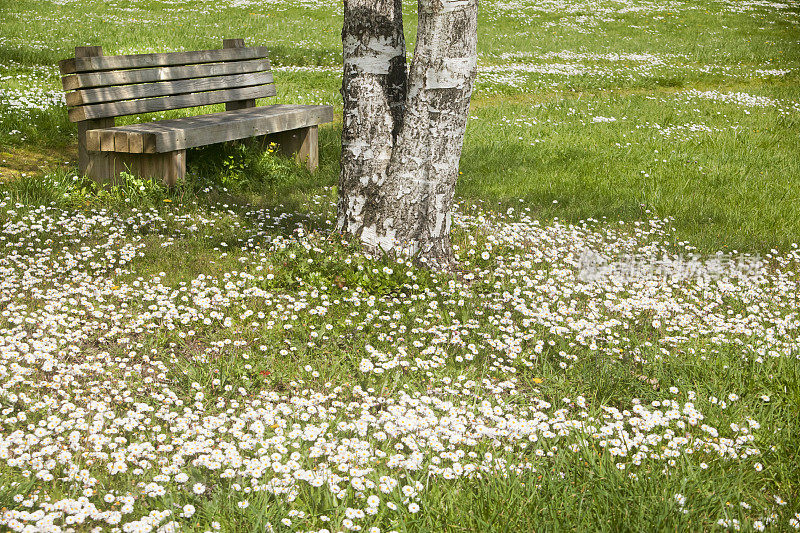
(538, 380)
(167, 200)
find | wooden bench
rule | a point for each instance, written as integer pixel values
(103, 87)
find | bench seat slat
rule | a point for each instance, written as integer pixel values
(166, 88)
(201, 130)
(91, 64)
(89, 80)
(150, 105)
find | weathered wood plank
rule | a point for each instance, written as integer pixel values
(85, 143)
(89, 64)
(211, 132)
(226, 116)
(135, 143)
(120, 141)
(107, 140)
(201, 130)
(88, 51)
(87, 150)
(212, 129)
(169, 167)
(148, 143)
(166, 88)
(99, 165)
(88, 80)
(92, 142)
(233, 43)
(150, 166)
(148, 131)
(135, 107)
(241, 104)
(309, 149)
(67, 66)
(118, 162)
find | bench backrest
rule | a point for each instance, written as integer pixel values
(114, 86)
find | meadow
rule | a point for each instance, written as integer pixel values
(619, 351)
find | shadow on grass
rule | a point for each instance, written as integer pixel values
(575, 180)
(48, 128)
(273, 191)
(32, 56)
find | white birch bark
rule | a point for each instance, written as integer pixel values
(373, 90)
(410, 213)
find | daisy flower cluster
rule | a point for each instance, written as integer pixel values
(132, 399)
(27, 89)
(743, 99)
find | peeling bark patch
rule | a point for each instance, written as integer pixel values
(384, 241)
(374, 56)
(444, 6)
(452, 74)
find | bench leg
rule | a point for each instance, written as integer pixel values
(170, 166)
(92, 164)
(97, 166)
(107, 166)
(303, 143)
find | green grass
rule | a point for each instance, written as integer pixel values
(685, 142)
(583, 490)
(742, 198)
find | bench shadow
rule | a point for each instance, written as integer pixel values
(278, 204)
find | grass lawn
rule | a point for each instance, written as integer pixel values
(620, 352)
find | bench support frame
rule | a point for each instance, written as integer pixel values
(92, 164)
(168, 166)
(105, 166)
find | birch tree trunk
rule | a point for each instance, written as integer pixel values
(407, 197)
(374, 91)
